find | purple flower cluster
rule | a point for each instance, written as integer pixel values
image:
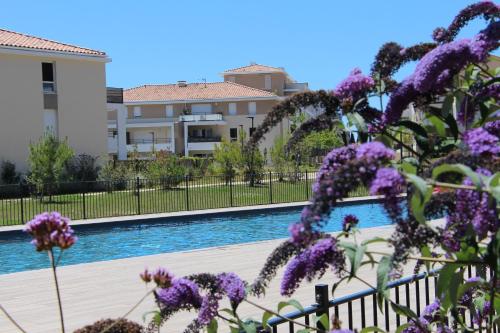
(233, 287)
(487, 9)
(431, 314)
(208, 309)
(373, 151)
(333, 161)
(481, 142)
(312, 262)
(50, 230)
(349, 222)
(472, 208)
(353, 88)
(436, 69)
(389, 182)
(182, 294)
(493, 127)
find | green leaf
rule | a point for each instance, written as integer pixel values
(439, 125)
(265, 318)
(213, 326)
(154, 313)
(374, 240)
(304, 330)
(234, 329)
(414, 127)
(403, 310)
(409, 168)
(357, 259)
(383, 270)
(419, 183)
(249, 327)
(323, 319)
(402, 327)
(448, 282)
(457, 168)
(291, 302)
(452, 124)
(447, 106)
(372, 329)
(358, 121)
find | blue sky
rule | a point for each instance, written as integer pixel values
(164, 41)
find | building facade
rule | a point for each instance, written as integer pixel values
(191, 119)
(50, 86)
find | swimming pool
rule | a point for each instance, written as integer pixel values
(140, 238)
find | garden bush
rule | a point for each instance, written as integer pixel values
(8, 173)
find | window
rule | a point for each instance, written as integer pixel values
(169, 111)
(232, 109)
(252, 129)
(48, 78)
(137, 112)
(201, 108)
(252, 108)
(233, 134)
(267, 82)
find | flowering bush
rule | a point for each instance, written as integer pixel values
(453, 172)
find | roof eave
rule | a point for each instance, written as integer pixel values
(211, 100)
(53, 54)
(253, 72)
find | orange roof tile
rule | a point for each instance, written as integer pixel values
(255, 68)
(192, 91)
(16, 39)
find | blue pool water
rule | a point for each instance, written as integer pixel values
(101, 242)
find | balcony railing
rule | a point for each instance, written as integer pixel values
(114, 95)
(296, 86)
(149, 141)
(201, 117)
(204, 139)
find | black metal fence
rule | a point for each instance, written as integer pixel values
(360, 310)
(85, 200)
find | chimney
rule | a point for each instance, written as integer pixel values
(182, 83)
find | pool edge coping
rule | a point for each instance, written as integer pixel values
(192, 213)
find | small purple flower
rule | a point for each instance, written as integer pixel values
(354, 87)
(50, 230)
(387, 181)
(208, 309)
(349, 222)
(182, 294)
(481, 142)
(312, 262)
(482, 314)
(233, 287)
(374, 151)
(493, 127)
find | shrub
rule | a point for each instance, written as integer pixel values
(8, 173)
(119, 326)
(166, 169)
(83, 168)
(227, 158)
(47, 160)
(117, 176)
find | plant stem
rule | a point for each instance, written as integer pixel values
(400, 142)
(53, 265)
(280, 316)
(492, 300)
(12, 320)
(129, 311)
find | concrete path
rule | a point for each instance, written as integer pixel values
(108, 289)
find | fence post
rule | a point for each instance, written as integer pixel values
(137, 188)
(321, 292)
(21, 190)
(84, 206)
(186, 181)
(270, 187)
(307, 186)
(231, 191)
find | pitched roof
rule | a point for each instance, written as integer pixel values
(18, 40)
(192, 91)
(255, 68)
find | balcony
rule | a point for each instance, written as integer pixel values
(201, 117)
(295, 87)
(203, 143)
(112, 144)
(147, 145)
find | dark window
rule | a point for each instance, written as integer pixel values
(128, 138)
(233, 134)
(47, 72)
(252, 130)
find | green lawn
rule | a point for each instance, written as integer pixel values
(156, 200)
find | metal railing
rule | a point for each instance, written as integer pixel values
(204, 139)
(151, 141)
(362, 308)
(201, 117)
(120, 197)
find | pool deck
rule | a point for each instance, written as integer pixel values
(193, 213)
(110, 288)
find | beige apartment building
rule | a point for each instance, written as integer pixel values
(191, 119)
(47, 85)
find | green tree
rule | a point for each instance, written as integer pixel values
(279, 158)
(165, 168)
(47, 161)
(227, 158)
